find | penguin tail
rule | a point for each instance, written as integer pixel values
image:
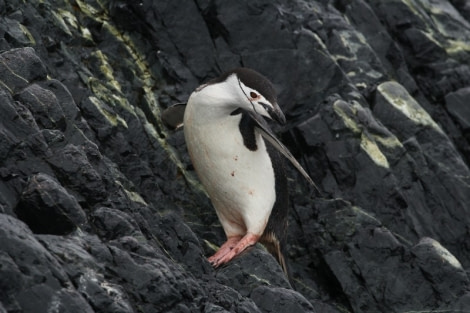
(274, 246)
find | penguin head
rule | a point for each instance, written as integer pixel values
(250, 91)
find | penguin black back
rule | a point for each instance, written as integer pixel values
(275, 233)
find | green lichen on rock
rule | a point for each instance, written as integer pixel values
(401, 100)
(348, 113)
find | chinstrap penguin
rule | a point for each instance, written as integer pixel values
(239, 160)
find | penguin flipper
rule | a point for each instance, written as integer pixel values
(173, 116)
(268, 135)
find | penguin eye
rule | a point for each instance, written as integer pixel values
(253, 95)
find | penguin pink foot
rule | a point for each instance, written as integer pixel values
(233, 249)
(225, 248)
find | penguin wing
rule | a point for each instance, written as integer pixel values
(173, 116)
(268, 135)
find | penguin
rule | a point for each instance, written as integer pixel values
(239, 160)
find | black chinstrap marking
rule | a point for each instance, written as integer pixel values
(247, 130)
(236, 112)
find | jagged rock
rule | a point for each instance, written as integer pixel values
(457, 105)
(21, 67)
(111, 223)
(245, 282)
(44, 106)
(280, 300)
(47, 208)
(33, 288)
(85, 267)
(375, 94)
(73, 167)
(442, 269)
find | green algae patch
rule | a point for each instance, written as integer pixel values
(396, 95)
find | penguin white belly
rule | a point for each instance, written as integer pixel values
(239, 182)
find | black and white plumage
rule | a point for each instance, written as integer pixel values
(239, 160)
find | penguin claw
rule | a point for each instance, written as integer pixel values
(214, 261)
(223, 250)
(233, 247)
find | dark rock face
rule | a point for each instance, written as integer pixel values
(48, 208)
(100, 210)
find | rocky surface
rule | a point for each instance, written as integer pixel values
(100, 210)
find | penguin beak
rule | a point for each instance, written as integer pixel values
(276, 114)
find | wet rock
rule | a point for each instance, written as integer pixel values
(426, 143)
(64, 99)
(20, 129)
(86, 271)
(73, 167)
(280, 300)
(177, 238)
(362, 251)
(20, 67)
(227, 299)
(44, 106)
(463, 7)
(35, 288)
(457, 105)
(424, 48)
(112, 223)
(396, 108)
(157, 282)
(47, 208)
(245, 282)
(448, 278)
